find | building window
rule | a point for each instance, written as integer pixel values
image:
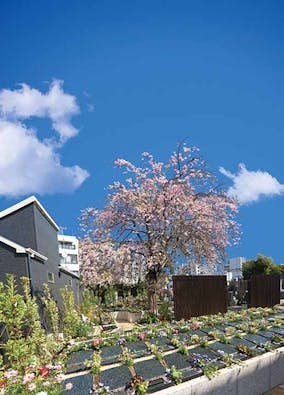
(50, 277)
(67, 246)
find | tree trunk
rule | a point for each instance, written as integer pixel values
(152, 301)
(152, 288)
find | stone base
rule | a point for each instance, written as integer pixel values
(126, 316)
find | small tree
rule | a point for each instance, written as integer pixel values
(261, 265)
(163, 213)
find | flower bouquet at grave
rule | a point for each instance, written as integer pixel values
(278, 339)
(248, 351)
(137, 386)
(205, 364)
(173, 375)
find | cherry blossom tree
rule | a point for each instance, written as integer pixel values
(163, 213)
(105, 264)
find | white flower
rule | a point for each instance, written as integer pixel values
(69, 386)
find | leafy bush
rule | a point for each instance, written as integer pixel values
(72, 324)
(164, 311)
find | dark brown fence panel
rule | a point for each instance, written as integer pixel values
(264, 290)
(199, 295)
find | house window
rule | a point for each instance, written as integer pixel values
(50, 277)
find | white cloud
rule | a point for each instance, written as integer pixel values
(28, 164)
(27, 102)
(249, 186)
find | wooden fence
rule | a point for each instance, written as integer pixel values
(264, 290)
(199, 295)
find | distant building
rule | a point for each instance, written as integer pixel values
(29, 248)
(199, 269)
(69, 253)
(233, 268)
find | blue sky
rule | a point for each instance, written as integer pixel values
(141, 76)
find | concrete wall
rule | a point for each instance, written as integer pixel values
(73, 284)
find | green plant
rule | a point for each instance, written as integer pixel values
(90, 306)
(266, 346)
(126, 359)
(243, 349)
(73, 326)
(96, 363)
(204, 342)
(182, 349)
(230, 331)
(153, 348)
(224, 339)
(27, 341)
(180, 346)
(239, 334)
(164, 311)
(209, 369)
(275, 338)
(149, 318)
(195, 339)
(176, 375)
(138, 384)
(51, 310)
(229, 360)
(215, 334)
(203, 362)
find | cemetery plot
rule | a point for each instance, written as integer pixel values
(150, 369)
(185, 337)
(224, 328)
(163, 343)
(198, 332)
(204, 352)
(137, 349)
(269, 338)
(76, 360)
(184, 363)
(254, 338)
(116, 378)
(237, 341)
(82, 385)
(227, 348)
(209, 329)
(110, 354)
(280, 330)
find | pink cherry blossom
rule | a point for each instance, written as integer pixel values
(169, 212)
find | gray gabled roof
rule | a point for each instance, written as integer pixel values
(26, 202)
